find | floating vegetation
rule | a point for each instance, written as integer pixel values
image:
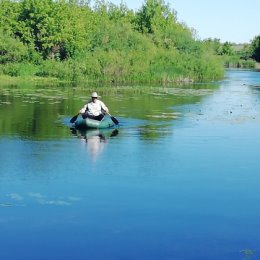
(6, 205)
(40, 199)
(248, 253)
(55, 102)
(162, 116)
(186, 92)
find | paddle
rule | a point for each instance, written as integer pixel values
(113, 119)
(73, 119)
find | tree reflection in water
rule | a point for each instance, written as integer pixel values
(96, 139)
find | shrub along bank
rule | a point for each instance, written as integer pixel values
(76, 41)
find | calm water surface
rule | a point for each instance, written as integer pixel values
(178, 179)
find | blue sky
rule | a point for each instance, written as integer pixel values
(228, 20)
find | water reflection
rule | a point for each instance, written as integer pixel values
(95, 139)
(37, 112)
(185, 180)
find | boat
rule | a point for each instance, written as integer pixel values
(88, 123)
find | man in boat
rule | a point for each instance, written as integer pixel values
(94, 109)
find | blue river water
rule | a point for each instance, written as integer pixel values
(190, 193)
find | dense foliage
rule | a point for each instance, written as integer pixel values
(233, 55)
(255, 45)
(76, 40)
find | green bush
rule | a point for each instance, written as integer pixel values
(11, 49)
(19, 69)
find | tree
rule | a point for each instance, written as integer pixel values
(255, 45)
(153, 15)
(227, 49)
(11, 49)
(213, 45)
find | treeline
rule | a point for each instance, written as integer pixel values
(76, 40)
(237, 55)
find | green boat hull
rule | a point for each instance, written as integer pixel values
(94, 124)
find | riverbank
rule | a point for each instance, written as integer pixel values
(49, 80)
(6, 80)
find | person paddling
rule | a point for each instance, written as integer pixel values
(94, 109)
